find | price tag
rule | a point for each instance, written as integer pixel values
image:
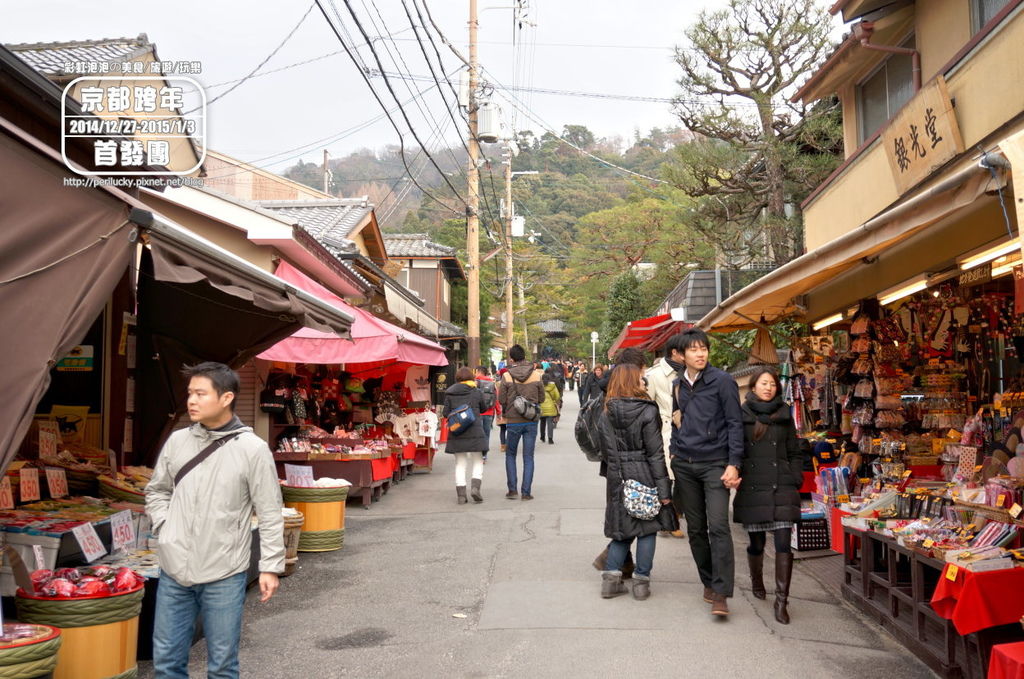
(122, 531)
(57, 482)
(37, 551)
(89, 541)
(952, 570)
(6, 494)
(28, 484)
(928, 543)
(298, 476)
(47, 444)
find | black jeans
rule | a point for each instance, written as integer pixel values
(781, 538)
(706, 509)
(547, 424)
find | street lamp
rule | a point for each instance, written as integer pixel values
(593, 349)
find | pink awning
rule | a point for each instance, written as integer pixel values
(373, 339)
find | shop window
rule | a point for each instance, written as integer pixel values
(982, 11)
(885, 92)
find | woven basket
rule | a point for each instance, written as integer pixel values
(79, 612)
(330, 494)
(109, 490)
(31, 658)
(322, 540)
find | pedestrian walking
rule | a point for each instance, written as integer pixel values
(706, 451)
(521, 380)
(549, 407)
(208, 481)
(768, 497)
(591, 389)
(570, 375)
(632, 446)
(490, 394)
(468, 444)
(659, 379)
(582, 377)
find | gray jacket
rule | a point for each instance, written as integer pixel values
(203, 526)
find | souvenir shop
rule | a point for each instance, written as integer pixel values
(357, 409)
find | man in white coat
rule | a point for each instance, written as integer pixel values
(659, 386)
(208, 481)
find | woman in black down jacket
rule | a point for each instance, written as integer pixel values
(468, 445)
(632, 446)
(768, 498)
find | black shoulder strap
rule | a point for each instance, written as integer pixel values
(203, 454)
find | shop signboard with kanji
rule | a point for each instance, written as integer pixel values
(923, 136)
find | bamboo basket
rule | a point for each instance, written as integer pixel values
(31, 657)
(323, 510)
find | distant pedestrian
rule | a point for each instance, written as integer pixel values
(706, 451)
(570, 376)
(524, 381)
(632, 446)
(490, 394)
(549, 408)
(582, 376)
(768, 497)
(467, 446)
(590, 388)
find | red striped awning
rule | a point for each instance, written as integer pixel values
(647, 334)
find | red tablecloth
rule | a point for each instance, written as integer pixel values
(835, 526)
(1007, 661)
(382, 468)
(409, 451)
(975, 601)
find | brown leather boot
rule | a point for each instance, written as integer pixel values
(756, 564)
(719, 605)
(601, 559)
(783, 576)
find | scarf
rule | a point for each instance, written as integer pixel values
(774, 411)
(678, 367)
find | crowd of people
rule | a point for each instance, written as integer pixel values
(674, 439)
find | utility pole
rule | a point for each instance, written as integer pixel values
(509, 213)
(472, 211)
(327, 174)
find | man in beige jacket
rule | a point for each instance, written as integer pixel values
(201, 514)
(659, 386)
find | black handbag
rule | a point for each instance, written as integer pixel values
(272, 402)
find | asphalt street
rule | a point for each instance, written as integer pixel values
(427, 588)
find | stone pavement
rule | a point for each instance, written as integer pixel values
(427, 588)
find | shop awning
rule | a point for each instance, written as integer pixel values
(647, 334)
(372, 339)
(776, 295)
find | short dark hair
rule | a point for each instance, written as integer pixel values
(223, 378)
(516, 353)
(481, 369)
(632, 356)
(686, 339)
(463, 374)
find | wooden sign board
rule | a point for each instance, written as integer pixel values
(923, 136)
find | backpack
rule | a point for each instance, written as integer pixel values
(587, 429)
(460, 420)
(490, 394)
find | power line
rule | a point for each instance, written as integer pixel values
(258, 66)
(405, 116)
(376, 96)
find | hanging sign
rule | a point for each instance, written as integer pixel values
(122, 531)
(79, 359)
(89, 541)
(976, 276)
(57, 482)
(298, 476)
(923, 136)
(28, 485)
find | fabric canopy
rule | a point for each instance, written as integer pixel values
(373, 339)
(647, 334)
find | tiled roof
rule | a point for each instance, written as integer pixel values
(447, 329)
(553, 327)
(330, 221)
(49, 57)
(415, 245)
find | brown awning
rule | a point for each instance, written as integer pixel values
(62, 252)
(775, 295)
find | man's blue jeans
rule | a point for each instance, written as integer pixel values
(487, 421)
(220, 605)
(527, 431)
(618, 549)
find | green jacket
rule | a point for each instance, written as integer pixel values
(549, 408)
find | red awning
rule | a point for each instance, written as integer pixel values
(647, 334)
(373, 339)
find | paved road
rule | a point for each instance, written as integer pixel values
(428, 588)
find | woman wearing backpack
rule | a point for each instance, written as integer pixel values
(466, 445)
(632, 447)
(490, 397)
(549, 407)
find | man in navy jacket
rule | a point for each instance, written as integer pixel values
(706, 450)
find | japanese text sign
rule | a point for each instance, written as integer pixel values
(298, 476)
(28, 484)
(57, 482)
(6, 494)
(89, 541)
(923, 136)
(122, 531)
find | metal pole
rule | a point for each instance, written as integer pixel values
(327, 174)
(509, 213)
(472, 211)
(593, 354)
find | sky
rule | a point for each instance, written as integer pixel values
(272, 120)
